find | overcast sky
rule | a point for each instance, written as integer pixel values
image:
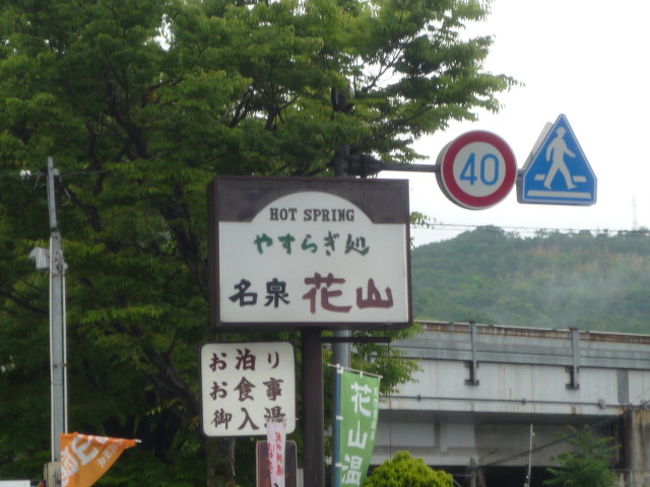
(586, 59)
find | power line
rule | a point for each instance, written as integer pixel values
(26, 174)
(592, 427)
(468, 226)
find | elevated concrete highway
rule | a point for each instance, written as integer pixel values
(490, 400)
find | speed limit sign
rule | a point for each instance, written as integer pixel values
(476, 170)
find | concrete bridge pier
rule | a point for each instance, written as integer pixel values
(636, 448)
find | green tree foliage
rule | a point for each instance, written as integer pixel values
(141, 103)
(596, 282)
(587, 464)
(403, 470)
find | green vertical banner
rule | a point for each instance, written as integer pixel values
(359, 408)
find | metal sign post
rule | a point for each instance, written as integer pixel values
(313, 407)
(263, 478)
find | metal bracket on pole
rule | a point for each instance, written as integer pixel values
(575, 366)
(350, 163)
(473, 364)
(52, 473)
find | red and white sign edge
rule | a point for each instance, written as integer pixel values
(448, 183)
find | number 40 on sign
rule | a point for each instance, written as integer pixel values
(477, 170)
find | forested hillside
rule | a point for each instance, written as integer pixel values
(594, 282)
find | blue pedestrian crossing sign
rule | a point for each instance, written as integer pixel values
(558, 172)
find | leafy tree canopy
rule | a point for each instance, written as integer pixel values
(141, 103)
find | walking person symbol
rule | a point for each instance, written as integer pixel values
(555, 153)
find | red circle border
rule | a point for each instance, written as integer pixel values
(454, 191)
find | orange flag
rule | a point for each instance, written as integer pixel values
(85, 458)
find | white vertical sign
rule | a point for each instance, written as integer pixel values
(246, 385)
(275, 439)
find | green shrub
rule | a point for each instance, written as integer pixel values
(405, 471)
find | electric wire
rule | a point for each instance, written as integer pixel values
(27, 174)
(593, 427)
(530, 229)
